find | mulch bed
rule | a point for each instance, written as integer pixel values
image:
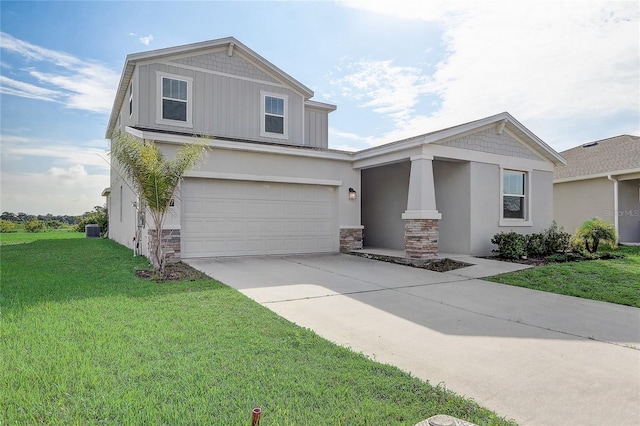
(533, 261)
(437, 265)
(173, 272)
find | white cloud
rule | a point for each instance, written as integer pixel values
(36, 53)
(146, 39)
(58, 192)
(73, 172)
(387, 89)
(9, 86)
(76, 83)
(544, 62)
(66, 154)
(72, 183)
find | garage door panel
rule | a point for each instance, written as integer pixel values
(231, 218)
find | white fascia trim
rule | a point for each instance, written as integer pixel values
(421, 214)
(515, 123)
(505, 161)
(454, 132)
(320, 105)
(221, 44)
(263, 178)
(617, 173)
(241, 146)
(441, 151)
(437, 136)
(351, 227)
(421, 157)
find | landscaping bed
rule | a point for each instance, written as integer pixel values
(437, 265)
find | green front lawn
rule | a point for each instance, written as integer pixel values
(21, 236)
(615, 281)
(84, 341)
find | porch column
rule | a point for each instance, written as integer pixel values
(421, 217)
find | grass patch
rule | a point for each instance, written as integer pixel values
(613, 280)
(84, 341)
(21, 237)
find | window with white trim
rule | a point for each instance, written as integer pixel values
(514, 195)
(174, 100)
(274, 116)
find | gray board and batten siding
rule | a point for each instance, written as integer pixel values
(223, 106)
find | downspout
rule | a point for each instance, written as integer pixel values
(615, 205)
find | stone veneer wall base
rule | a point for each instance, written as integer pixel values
(351, 239)
(421, 238)
(171, 239)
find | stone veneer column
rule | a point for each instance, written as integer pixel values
(421, 238)
(421, 217)
(171, 238)
(351, 238)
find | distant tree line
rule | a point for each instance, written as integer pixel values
(24, 217)
(38, 223)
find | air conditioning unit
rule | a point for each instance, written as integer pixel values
(92, 231)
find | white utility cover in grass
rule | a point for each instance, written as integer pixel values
(236, 218)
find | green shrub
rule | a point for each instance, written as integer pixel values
(54, 224)
(34, 225)
(511, 245)
(6, 226)
(535, 245)
(594, 232)
(556, 239)
(98, 216)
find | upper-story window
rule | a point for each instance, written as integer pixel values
(515, 198)
(274, 115)
(174, 95)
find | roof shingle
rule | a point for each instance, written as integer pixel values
(604, 156)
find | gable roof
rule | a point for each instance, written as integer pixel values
(503, 119)
(230, 42)
(601, 158)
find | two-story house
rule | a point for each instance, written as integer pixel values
(271, 185)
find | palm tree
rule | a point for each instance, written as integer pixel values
(155, 179)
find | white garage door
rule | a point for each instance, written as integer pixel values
(232, 218)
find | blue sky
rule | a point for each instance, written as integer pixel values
(569, 71)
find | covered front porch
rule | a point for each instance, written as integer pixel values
(418, 208)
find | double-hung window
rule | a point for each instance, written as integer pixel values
(174, 95)
(515, 197)
(274, 116)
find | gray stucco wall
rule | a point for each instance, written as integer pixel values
(629, 211)
(578, 201)
(384, 199)
(542, 200)
(453, 200)
(485, 207)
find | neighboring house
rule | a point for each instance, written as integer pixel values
(601, 179)
(270, 185)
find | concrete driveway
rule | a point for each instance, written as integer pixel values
(539, 358)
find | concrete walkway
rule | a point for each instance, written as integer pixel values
(539, 358)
